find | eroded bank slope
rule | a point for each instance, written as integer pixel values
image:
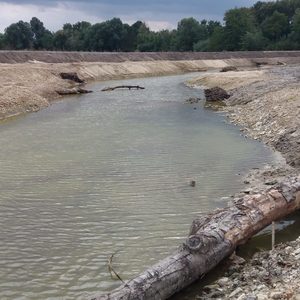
(27, 87)
(29, 80)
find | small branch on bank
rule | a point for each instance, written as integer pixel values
(135, 87)
(273, 235)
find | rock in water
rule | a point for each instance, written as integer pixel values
(216, 94)
(193, 183)
(192, 100)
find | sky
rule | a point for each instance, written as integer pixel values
(158, 14)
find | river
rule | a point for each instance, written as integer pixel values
(109, 172)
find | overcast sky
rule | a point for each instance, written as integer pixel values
(158, 14)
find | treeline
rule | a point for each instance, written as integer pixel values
(264, 26)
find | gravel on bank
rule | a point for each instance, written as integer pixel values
(266, 104)
(268, 275)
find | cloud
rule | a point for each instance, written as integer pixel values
(157, 14)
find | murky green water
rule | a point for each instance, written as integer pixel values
(105, 173)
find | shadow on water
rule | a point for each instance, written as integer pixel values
(286, 230)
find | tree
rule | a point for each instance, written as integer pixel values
(276, 26)
(296, 26)
(216, 41)
(42, 38)
(145, 39)
(19, 36)
(211, 25)
(201, 46)
(2, 41)
(188, 33)
(107, 36)
(60, 40)
(253, 41)
(238, 21)
(262, 10)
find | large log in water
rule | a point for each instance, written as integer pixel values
(211, 239)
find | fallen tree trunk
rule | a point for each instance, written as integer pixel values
(73, 91)
(211, 239)
(136, 87)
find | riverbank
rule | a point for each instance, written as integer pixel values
(268, 275)
(29, 80)
(266, 103)
(30, 86)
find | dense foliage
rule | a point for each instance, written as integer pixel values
(264, 26)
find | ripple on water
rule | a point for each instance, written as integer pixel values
(109, 173)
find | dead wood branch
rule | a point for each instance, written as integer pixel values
(111, 269)
(135, 87)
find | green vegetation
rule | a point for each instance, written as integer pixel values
(264, 26)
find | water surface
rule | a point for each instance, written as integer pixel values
(109, 173)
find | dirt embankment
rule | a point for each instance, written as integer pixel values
(118, 57)
(266, 103)
(29, 80)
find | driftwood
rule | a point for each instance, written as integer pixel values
(261, 63)
(211, 239)
(136, 87)
(73, 91)
(229, 68)
(216, 94)
(111, 269)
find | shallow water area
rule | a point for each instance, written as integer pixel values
(109, 172)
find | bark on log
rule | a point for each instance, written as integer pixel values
(211, 239)
(136, 87)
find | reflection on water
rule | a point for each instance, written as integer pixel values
(109, 172)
